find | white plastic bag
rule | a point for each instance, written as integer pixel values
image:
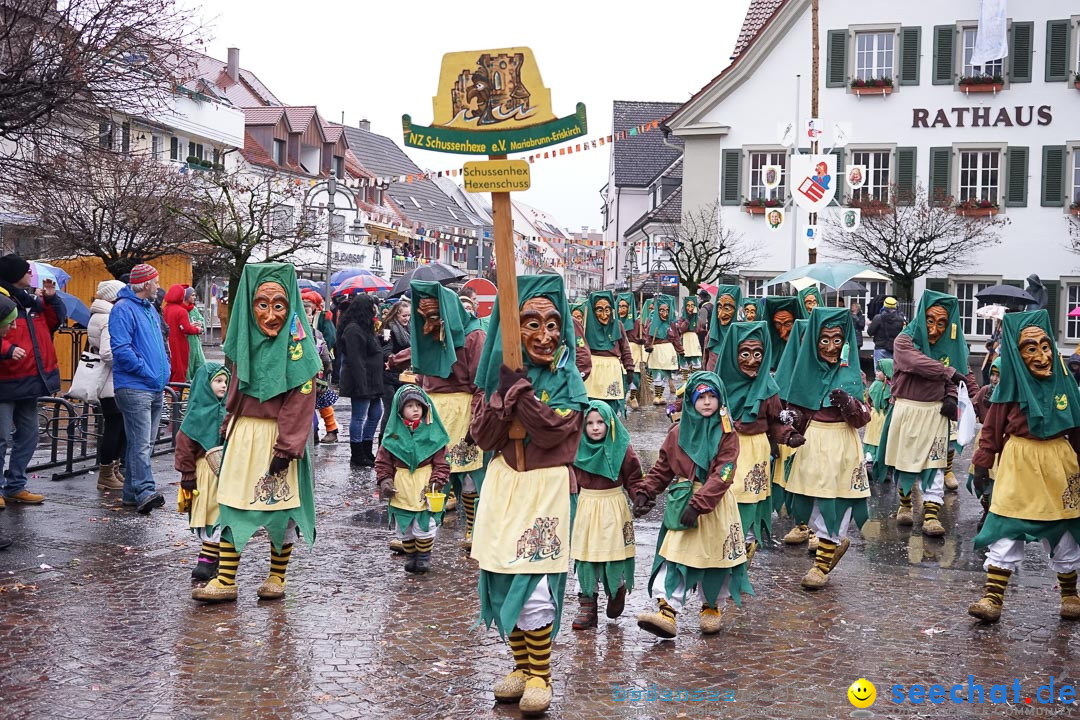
(965, 430)
(90, 376)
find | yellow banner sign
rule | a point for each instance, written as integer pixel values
(496, 176)
(491, 90)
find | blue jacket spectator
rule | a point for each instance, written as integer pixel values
(139, 359)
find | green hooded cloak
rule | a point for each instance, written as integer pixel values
(1052, 405)
(631, 313)
(951, 348)
(658, 328)
(812, 290)
(687, 315)
(745, 394)
(205, 410)
(699, 437)
(603, 457)
(812, 379)
(266, 367)
(413, 447)
(772, 305)
(597, 335)
(785, 370)
(880, 392)
(558, 385)
(716, 330)
(437, 357)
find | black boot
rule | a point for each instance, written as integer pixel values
(204, 571)
(423, 562)
(356, 458)
(367, 458)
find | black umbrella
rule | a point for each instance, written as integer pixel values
(1005, 295)
(437, 272)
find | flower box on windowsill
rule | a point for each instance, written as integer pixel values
(981, 87)
(871, 90)
(755, 209)
(977, 211)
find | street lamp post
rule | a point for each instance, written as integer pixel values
(331, 186)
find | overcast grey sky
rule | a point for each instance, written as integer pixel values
(379, 60)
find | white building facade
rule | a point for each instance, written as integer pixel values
(1016, 145)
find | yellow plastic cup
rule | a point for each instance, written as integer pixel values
(436, 501)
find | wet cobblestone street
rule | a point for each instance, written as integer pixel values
(96, 621)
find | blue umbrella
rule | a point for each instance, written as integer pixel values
(350, 272)
(306, 284)
(76, 308)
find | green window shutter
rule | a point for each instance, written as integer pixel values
(1057, 50)
(910, 45)
(1016, 175)
(905, 175)
(836, 59)
(731, 166)
(940, 285)
(1053, 294)
(1021, 40)
(839, 153)
(1053, 175)
(944, 39)
(940, 174)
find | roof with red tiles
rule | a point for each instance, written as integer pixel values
(256, 154)
(263, 115)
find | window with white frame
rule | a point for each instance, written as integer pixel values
(174, 148)
(980, 177)
(874, 55)
(878, 176)
(755, 287)
(279, 152)
(874, 288)
(992, 68)
(155, 147)
(758, 161)
(1072, 324)
(1076, 175)
(965, 293)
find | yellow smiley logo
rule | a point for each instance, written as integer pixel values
(862, 693)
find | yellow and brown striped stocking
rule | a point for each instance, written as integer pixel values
(825, 550)
(228, 562)
(423, 545)
(1067, 583)
(996, 581)
(469, 501)
(210, 552)
(520, 649)
(949, 460)
(930, 510)
(279, 562)
(905, 500)
(410, 545)
(539, 643)
(666, 610)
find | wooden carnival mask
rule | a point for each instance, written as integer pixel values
(750, 312)
(937, 319)
(664, 311)
(271, 307)
(541, 330)
(1036, 351)
(831, 344)
(783, 321)
(623, 309)
(602, 311)
(750, 356)
(810, 302)
(433, 322)
(725, 309)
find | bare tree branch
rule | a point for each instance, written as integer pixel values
(704, 249)
(910, 240)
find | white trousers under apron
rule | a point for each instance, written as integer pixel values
(676, 599)
(1008, 554)
(413, 531)
(213, 536)
(468, 485)
(817, 524)
(539, 610)
(936, 493)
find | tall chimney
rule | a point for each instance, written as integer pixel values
(365, 124)
(234, 64)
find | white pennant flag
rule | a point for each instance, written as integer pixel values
(992, 37)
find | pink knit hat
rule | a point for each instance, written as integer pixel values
(142, 273)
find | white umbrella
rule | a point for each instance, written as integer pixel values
(991, 312)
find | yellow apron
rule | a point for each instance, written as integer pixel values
(455, 411)
(872, 434)
(603, 526)
(663, 357)
(778, 466)
(997, 458)
(1037, 480)
(830, 465)
(716, 542)
(918, 437)
(411, 488)
(243, 483)
(752, 477)
(204, 506)
(605, 382)
(522, 525)
(637, 352)
(691, 345)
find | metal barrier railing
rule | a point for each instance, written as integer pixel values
(70, 431)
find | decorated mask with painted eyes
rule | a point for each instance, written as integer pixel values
(271, 308)
(830, 344)
(664, 311)
(1036, 351)
(725, 309)
(937, 319)
(624, 309)
(602, 311)
(750, 312)
(810, 302)
(541, 330)
(750, 355)
(783, 321)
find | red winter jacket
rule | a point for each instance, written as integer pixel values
(180, 326)
(38, 372)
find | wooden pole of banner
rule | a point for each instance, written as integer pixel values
(506, 279)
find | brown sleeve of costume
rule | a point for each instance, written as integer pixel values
(676, 339)
(907, 358)
(718, 481)
(490, 423)
(294, 424)
(660, 474)
(384, 465)
(630, 472)
(187, 454)
(623, 348)
(544, 427)
(440, 469)
(992, 437)
(778, 432)
(401, 359)
(856, 413)
(582, 356)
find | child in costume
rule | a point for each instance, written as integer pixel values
(266, 477)
(981, 485)
(664, 344)
(701, 544)
(199, 433)
(605, 470)
(446, 344)
(753, 401)
(411, 463)
(725, 312)
(879, 395)
(521, 539)
(930, 358)
(611, 359)
(690, 359)
(627, 314)
(827, 486)
(1034, 426)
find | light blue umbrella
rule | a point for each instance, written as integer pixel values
(832, 274)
